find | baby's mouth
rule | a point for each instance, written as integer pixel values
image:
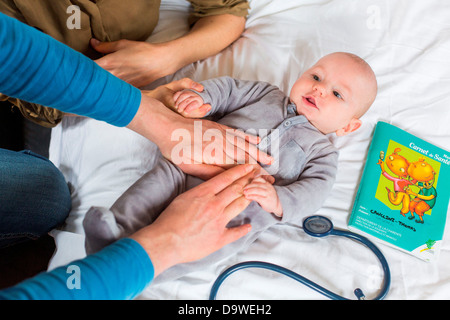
(310, 101)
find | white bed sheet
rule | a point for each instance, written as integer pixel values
(407, 42)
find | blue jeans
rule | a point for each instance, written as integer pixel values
(34, 196)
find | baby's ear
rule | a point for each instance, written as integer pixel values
(353, 125)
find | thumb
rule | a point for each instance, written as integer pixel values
(185, 83)
(105, 47)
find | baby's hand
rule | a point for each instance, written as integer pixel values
(190, 105)
(263, 192)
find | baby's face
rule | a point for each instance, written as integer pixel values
(332, 93)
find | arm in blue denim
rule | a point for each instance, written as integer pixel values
(36, 68)
(120, 271)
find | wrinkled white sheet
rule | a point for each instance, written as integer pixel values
(407, 42)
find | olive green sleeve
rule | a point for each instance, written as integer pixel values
(204, 8)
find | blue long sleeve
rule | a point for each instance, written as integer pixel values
(36, 68)
(120, 271)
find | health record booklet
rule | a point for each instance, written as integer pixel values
(404, 192)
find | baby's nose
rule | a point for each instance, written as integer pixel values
(319, 88)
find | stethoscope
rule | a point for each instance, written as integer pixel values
(316, 226)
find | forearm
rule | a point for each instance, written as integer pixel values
(155, 122)
(104, 275)
(208, 36)
(422, 197)
(141, 63)
(36, 68)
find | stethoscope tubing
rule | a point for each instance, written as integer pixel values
(307, 282)
(276, 268)
(384, 264)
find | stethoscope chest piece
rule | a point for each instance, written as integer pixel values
(317, 226)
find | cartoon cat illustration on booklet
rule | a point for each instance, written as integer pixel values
(419, 174)
(424, 175)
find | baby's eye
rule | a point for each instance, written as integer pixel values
(315, 77)
(337, 94)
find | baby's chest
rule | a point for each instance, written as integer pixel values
(289, 158)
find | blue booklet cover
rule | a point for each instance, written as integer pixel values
(404, 192)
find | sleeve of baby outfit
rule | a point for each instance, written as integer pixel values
(204, 8)
(307, 195)
(37, 68)
(226, 94)
(120, 271)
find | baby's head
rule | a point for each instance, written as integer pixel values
(335, 92)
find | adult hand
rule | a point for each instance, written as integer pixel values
(205, 148)
(202, 148)
(194, 224)
(140, 63)
(165, 93)
(233, 146)
(136, 62)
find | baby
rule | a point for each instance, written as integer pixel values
(330, 97)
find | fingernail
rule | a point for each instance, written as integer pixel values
(197, 87)
(248, 168)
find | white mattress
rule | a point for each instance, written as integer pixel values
(407, 42)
